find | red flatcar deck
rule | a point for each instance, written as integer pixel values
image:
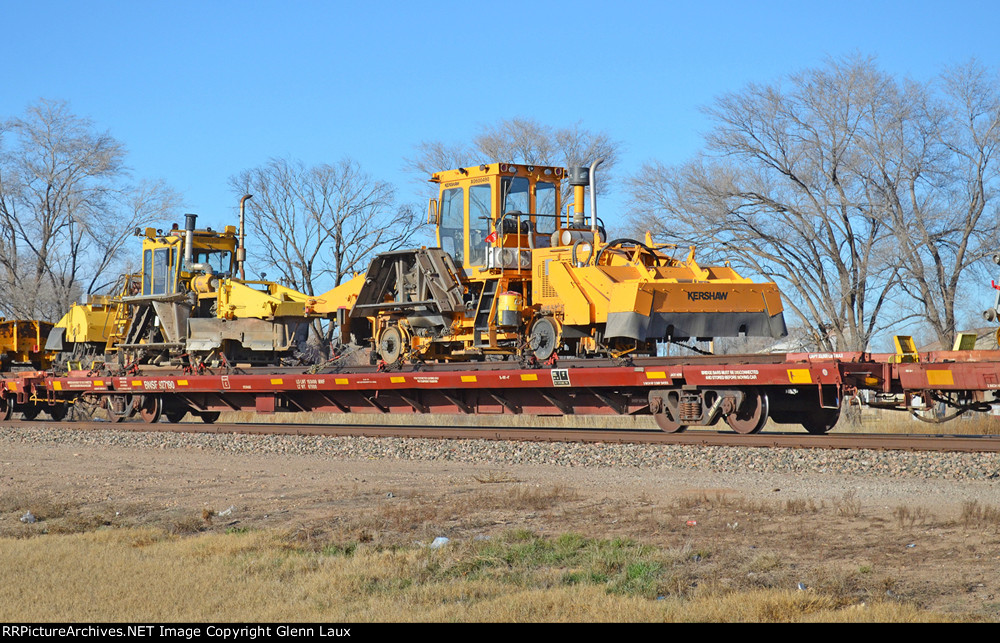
(795, 384)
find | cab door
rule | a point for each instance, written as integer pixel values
(451, 229)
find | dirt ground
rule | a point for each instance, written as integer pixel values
(935, 543)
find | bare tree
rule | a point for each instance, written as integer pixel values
(435, 156)
(318, 225)
(518, 139)
(852, 190)
(66, 208)
(522, 140)
(932, 171)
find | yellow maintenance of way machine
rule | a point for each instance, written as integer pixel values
(515, 275)
(22, 345)
(190, 304)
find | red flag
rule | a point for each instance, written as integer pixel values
(492, 237)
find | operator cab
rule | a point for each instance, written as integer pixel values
(483, 210)
(163, 257)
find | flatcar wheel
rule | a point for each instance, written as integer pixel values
(668, 424)
(752, 414)
(120, 407)
(820, 423)
(209, 417)
(175, 415)
(58, 412)
(150, 408)
(6, 409)
(31, 412)
(544, 338)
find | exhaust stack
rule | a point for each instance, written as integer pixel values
(189, 225)
(593, 198)
(241, 251)
(579, 178)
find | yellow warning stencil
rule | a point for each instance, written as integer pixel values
(799, 376)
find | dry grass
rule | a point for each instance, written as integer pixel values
(848, 506)
(707, 555)
(909, 518)
(880, 421)
(59, 516)
(975, 515)
(148, 575)
(497, 477)
(425, 517)
(42, 506)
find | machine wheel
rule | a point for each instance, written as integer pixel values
(119, 407)
(390, 345)
(31, 412)
(821, 422)
(175, 415)
(544, 338)
(58, 412)
(751, 416)
(6, 409)
(150, 408)
(209, 417)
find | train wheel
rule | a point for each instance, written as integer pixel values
(752, 414)
(209, 417)
(31, 412)
(6, 409)
(820, 423)
(544, 338)
(667, 423)
(149, 409)
(175, 415)
(58, 412)
(120, 407)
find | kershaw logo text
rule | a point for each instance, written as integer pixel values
(717, 296)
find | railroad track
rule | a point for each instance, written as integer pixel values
(790, 440)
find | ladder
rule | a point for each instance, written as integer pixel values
(120, 322)
(484, 313)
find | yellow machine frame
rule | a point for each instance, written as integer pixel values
(518, 272)
(187, 299)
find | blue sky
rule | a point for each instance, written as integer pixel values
(199, 91)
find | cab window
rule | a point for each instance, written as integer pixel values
(480, 222)
(219, 260)
(158, 271)
(514, 195)
(147, 271)
(450, 233)
(545, 204)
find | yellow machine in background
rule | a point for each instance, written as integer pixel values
(190, 303)
(22, 345)
(84, 331)
(515, 275)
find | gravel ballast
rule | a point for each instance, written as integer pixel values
(900, 464)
